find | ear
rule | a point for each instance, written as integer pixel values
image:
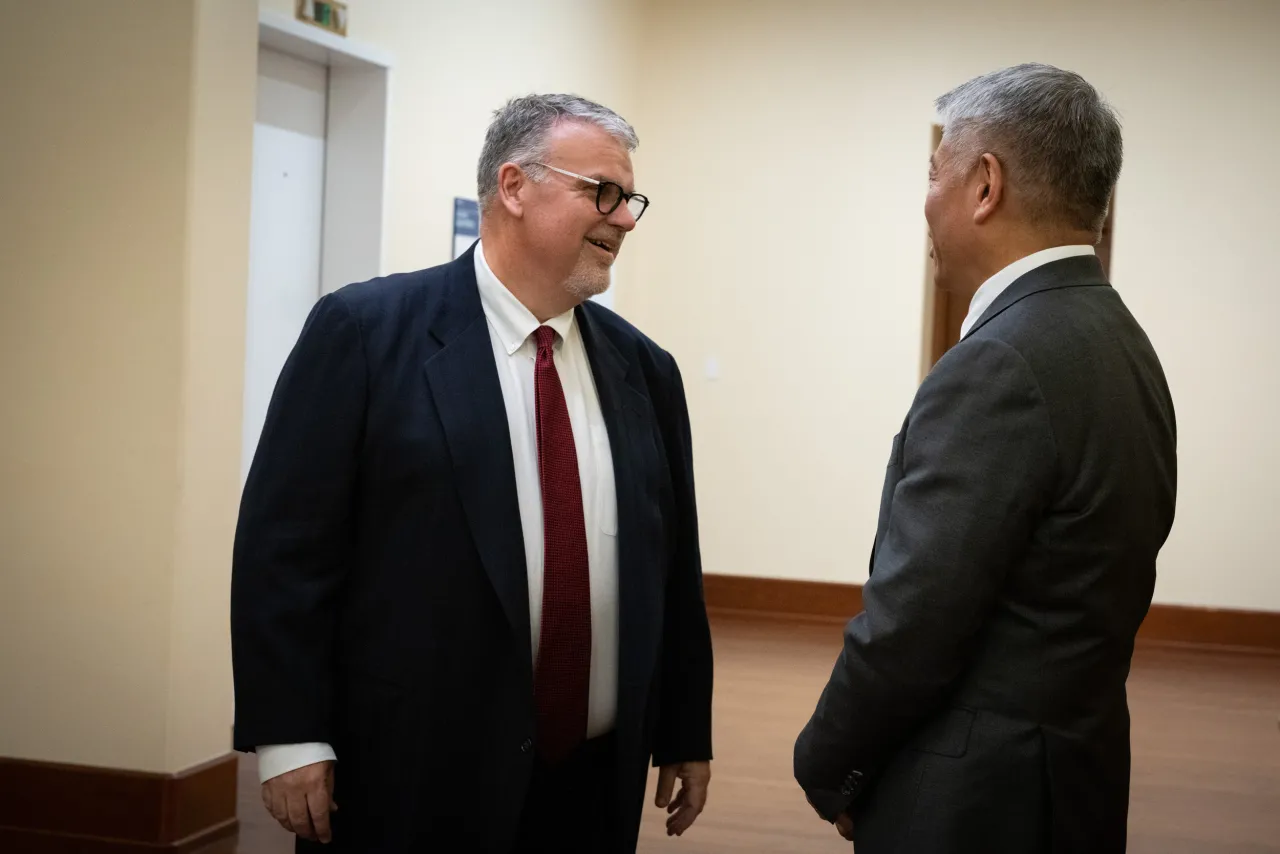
(988, 189)
(513, 188)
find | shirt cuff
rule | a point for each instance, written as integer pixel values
(277, 759)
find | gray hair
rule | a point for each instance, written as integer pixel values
(518, 134)
(1056, 137)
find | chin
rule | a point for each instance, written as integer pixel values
(942, 281)
(585, 287)
(589, 278)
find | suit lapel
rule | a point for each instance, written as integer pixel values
(463, 378)
(1076, 272)
(628, 415)
(892, 474)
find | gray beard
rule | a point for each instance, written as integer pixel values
(585, 287)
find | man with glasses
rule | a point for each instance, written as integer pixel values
(467, 596)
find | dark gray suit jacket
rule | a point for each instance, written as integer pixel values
(979, 702)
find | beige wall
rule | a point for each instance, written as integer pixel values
(123, 240)
(219, 177)
(785, 153)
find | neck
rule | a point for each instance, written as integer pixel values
(543, 295)
(1015, 245)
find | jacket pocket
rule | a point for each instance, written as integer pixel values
(947, 734)
(895, 450)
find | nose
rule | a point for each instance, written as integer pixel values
(622, 218)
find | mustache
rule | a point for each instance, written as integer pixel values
(608, 235)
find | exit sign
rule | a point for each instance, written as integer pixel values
(327, 14)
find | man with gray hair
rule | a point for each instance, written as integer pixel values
(467, 593)
(979, 700)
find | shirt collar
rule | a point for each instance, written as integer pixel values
(510, 319)
(997, 284)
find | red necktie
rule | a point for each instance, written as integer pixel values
(563, 673)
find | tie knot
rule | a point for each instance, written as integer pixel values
(546, 337)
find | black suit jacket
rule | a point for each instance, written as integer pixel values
(379, 593)
(979, 702)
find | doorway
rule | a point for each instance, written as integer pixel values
(319, 154)
(285, 223)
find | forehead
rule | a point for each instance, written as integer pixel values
(590, 150)
(944, 159)
(943, 151)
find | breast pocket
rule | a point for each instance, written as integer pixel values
(606, 489)
(895, 450)
(892, 474)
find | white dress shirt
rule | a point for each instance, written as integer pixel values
(997, 284)
(511, 328)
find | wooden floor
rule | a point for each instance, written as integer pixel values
(1206, 751)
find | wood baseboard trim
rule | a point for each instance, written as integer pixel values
(1256, 631)
(774, 598)
(47, 808)
(822, 601)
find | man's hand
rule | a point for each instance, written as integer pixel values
(843, 823)
(302, 799)
(688, 805)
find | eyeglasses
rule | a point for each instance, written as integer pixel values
(608, 194)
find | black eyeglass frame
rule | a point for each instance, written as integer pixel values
(623, 195)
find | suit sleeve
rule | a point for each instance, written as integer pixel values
(294, 537)
(978, 459)
(683, 731)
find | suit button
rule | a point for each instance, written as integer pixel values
(527, 745)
